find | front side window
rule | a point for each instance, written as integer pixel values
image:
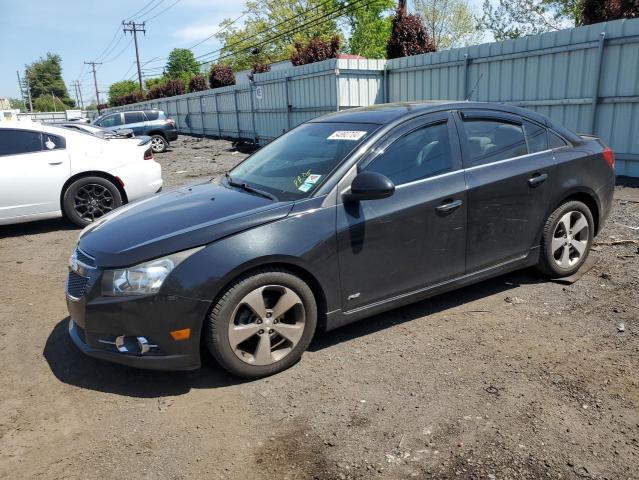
(134, 117)
(110, 121)
(493, 140)
(420, 154)
(14, 142)
(295, 164)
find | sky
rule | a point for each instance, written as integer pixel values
(81, 30)
(91, 30)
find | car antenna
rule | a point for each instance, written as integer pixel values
(474, 87)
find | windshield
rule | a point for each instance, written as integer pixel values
(295, 164)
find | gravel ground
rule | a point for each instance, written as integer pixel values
(512, 378)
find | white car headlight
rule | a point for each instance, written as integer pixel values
(143, 279)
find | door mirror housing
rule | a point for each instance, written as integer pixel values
(369, 186)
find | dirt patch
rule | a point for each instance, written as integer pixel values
(464, 385)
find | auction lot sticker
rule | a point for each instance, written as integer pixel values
(346, 135)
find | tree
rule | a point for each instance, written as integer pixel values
(197, 83)
(221, 76)
(122, 88)
(17, 103)
(370, 29)
(271, 28)
(518, 18)
(315, 50)
(595, 11)
(181, 65)
(450, 23)
(259, 67)
(47, 103)
(152, 82)
(408, 35)
(45, 78)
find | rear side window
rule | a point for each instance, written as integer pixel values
(555, 140)
(417, 155)
(14, 142)
(493, 140)
(536, 137)
(152, 115)
(53, 142)
(111, 121)
(134, 117)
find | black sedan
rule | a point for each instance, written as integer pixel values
(345, 216)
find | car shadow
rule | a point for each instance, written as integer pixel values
(36, 227)
(72, 367)
(430, 306)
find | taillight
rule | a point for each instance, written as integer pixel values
(148, 154)
(170, 121)
(609, 157)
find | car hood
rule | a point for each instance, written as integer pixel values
(175, 220)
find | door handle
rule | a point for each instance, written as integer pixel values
(55, 162)
(537, 179)
(449, 206)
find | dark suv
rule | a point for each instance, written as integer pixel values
(153, 123)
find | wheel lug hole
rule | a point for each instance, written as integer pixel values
(259, 321)
(275, 321)
(268, 315)
(261, 332)
(270, 330)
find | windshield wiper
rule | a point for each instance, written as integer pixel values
(248, 188)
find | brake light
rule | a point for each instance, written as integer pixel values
(170, 121)
(609, 157)
(148, 154)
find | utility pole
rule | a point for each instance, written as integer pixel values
(24, 101)
(78, 93)
(28, 85)
(75, 89)
(95, 81)
(135, 28)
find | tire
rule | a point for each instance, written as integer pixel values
(89, 198)
(232, 320)
(158, 144)
(566, 239)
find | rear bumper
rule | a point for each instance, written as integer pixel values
(605, 194)
(171, 135)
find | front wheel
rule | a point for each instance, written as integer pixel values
(89, 198)
(158, 144)
(566, 239)
(262, 324)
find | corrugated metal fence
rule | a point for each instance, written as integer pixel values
(587, 78)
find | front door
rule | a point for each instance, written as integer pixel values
(33, 169)
(416, 237)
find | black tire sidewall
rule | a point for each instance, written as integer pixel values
(216, 329)
(547, 262)
(69, 194)
(164, 143)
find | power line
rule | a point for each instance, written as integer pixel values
(219, 31)
(158, 14)
(143, 8)
(119, 53)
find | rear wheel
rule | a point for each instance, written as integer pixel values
(158, 144)
(566, 239)
(89, 198)
(262, 324)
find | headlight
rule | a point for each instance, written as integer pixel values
(143, 279)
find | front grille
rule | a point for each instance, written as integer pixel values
(84, 258)
(76, 285)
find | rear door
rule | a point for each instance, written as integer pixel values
(33, 169)
(416, 237)
(510, 174)
(135, 121)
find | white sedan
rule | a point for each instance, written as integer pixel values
(50, 171)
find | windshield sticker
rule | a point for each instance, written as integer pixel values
(346, 135)
(301, 178)
(312, 179)
(305, 187)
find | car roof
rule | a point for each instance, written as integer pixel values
(389, 112)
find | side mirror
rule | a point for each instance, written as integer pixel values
(369, 186)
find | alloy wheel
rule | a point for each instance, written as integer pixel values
(92, 201)
(266, 325)
(570, 239)
(157, 144)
